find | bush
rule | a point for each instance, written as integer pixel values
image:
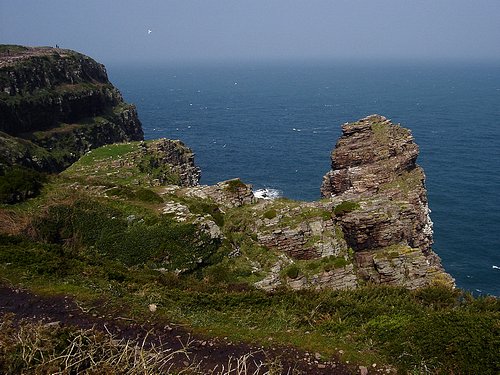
(234, 186)
(270, 214)
(130, 239)
(345, 207)
(292, 271)
(438, 296)
(18, 184)
(458, 341)
(141, 194)
(41, 259)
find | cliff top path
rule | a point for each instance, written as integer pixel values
(209, 352)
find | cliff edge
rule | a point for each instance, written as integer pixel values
(55, 105)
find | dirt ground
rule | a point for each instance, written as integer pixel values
(209, 352)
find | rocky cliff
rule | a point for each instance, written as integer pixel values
(381, 202)
(372, 227)
(55, 105)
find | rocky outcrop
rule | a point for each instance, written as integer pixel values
(139, 164)
(227, 194)
(381, 203)
(61, 101)
(172, 157)
(372, 227)
(371, 152)
(303, 231)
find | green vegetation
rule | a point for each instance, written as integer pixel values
(433, 329)
(44, 96)
(406, 182)
(270, 214)
(150, 166)
(385, 134)
(345, 207)
(140, 194)
(134, 240)
(204, 207)
(292, 271)
(234, 185)
(122, 164)
(104, 241)
(12, 48)
(18, 184)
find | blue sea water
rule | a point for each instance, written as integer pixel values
(274, 125)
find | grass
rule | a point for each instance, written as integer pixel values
(235, 185)
(48, 349)
(371, 324)
(13, 48)
(345, 207)
(122, 164)
(73, 351)
(406, 182)
(116, 249)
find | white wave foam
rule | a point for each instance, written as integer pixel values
(495, 267)
(267, 193)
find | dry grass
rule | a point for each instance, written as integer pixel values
(248, 365)
(45, 348)
(13, 223)
(37, 348)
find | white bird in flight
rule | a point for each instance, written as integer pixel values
(149, 31)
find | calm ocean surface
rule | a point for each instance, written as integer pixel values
(275, 126)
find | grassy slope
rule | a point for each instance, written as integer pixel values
(98, 242)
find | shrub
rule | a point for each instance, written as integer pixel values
(345, 207)
(234, 186)
(131, 240)
(141, 194)
(270, 214)
(18, 184)
(438, 296)
(292, 271)
(41, 259)
(458, 341)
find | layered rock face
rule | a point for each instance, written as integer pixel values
(59, 101)
(174, 158)
(386, 217)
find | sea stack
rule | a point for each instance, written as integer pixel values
(386, 218)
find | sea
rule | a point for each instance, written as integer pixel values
(275, 124)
